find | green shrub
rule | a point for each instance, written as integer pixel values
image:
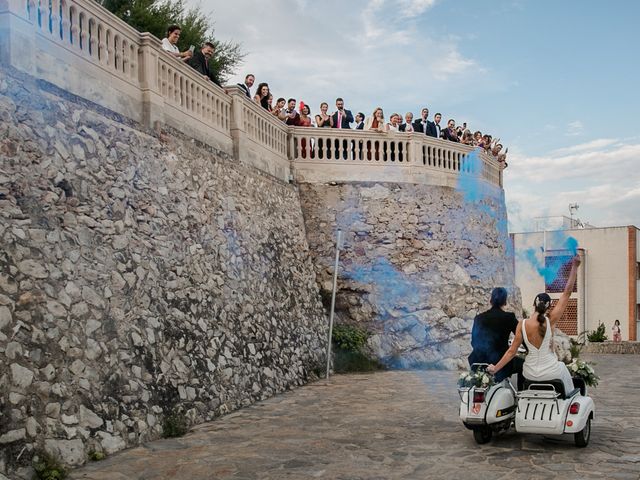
(350, 338)
(48, 467)
(525, 313)
(598, 334)
(174, 425)
(349, 350)
(96, 456)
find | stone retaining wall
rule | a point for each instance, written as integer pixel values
(139, 273)
(419, 263)
(613, 347)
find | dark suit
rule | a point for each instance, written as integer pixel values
(360, 126)
(490, 340)
(347, 118)
(450, 135)
(245, 89)
(430, 126)
(402, 127)
(200, 64)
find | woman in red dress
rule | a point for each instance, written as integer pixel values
(305, 121)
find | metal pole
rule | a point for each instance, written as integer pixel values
(333, 298)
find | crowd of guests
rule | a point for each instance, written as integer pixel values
(285, 109)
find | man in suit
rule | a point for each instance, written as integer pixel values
(450, 133)
(359, 121)
(291, 117)
(200, 62)
(248, 83)
(490, 336)
(342, 118)
(437, 118)
(407, 126)
(423, 125)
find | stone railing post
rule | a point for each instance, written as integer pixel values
(415, 149)
(17, 34)
(152, 100)
(238, 132)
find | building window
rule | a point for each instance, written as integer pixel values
(562, 265)
(568, 323)
(638, 270)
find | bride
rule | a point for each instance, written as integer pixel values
(537, 331)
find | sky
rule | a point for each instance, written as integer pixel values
(556, 81)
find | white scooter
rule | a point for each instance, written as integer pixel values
(542, 407)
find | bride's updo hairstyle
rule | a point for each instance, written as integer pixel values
(541, 305)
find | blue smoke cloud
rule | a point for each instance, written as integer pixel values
(559, 242)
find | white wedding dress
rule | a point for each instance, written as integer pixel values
(542, 364)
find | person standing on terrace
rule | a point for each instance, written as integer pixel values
(278, 111)
(248, 83)
(437, 129)
(408, 125)
(200, 63)
(291, 116)
(450, 132)
(359, 121)
(262, 96)
(323, 119)
(342, 118)
(170, 44)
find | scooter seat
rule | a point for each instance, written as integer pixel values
(558, 385)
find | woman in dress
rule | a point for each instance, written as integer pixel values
(278, 111)
(617, 333)
(394, 123)
(375, 123)
(262, 96)
(536, 331)
(305, 121)
(323, 120)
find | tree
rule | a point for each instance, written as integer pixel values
(154, 16)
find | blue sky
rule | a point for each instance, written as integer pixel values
(557, 81)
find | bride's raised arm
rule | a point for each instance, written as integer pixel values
(561, 306)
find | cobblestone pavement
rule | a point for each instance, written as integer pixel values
(390, 425)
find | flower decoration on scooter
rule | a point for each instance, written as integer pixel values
(583, 370)
(478, 379)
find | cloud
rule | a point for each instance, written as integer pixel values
(600, 175)
(364, 52)
(574, 129)
(414, 8)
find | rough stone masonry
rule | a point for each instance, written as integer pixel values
(139, 274)
(418, 264)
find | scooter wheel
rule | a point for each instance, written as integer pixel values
(582, 437)
(483, 435)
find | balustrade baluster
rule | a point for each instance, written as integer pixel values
(54, 18)
(73, 25)
(83, 33)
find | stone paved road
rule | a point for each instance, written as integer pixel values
(391, 425)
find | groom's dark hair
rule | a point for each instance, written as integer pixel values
(498, 297)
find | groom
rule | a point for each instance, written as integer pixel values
(490, 336)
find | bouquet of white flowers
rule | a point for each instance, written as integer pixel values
(583, 370)
(479, 378)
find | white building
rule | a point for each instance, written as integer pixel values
(608, 286)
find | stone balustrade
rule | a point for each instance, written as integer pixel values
(82, 48)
